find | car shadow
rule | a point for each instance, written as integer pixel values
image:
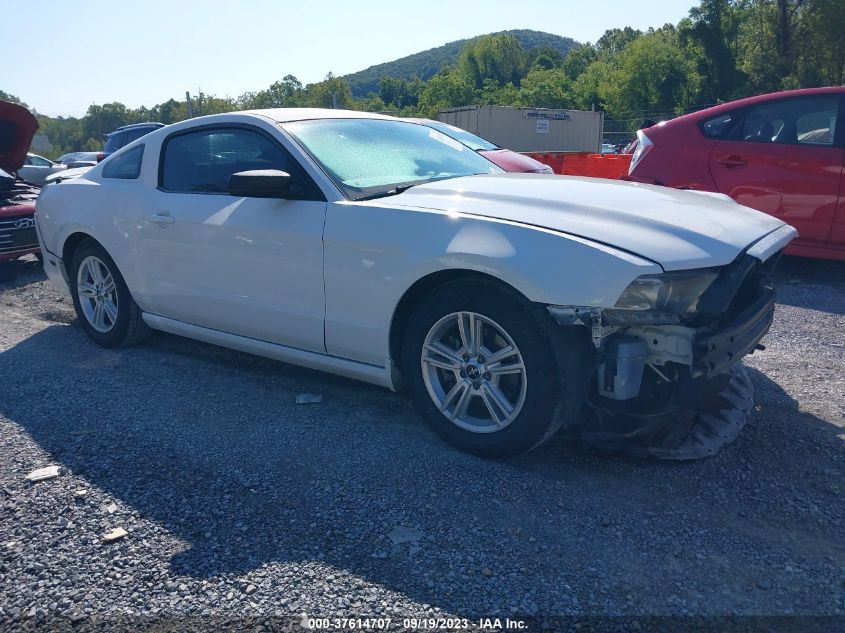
(21, 272)
(210, 445)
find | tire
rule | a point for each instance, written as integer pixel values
(119, 323)
(698, 424)
(534, 394)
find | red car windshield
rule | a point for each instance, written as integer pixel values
(467, 138)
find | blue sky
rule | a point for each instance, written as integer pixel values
(80, 52)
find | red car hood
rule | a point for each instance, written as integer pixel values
(17, 210)
(17, 127)
(512, 161)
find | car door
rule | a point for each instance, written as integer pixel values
(782, 158)
(246, 266)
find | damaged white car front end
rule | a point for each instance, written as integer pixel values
(664, 377)
(669, 350)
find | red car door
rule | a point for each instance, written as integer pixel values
(782, 158)
(836, 241)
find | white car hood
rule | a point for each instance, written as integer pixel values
(677, 229)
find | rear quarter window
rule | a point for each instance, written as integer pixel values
(126, 166)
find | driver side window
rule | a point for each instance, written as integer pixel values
(202, 161)
(802, 121)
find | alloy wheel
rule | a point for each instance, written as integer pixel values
(474, 372)
(97, 294)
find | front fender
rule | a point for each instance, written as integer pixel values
(374, 254)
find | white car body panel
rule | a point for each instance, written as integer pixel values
(201, 269)
(649, 220)
(68, 174)
(375, 252)
(373, 374)
(317, 283)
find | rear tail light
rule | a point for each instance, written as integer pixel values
(644, 145)
(100, 156)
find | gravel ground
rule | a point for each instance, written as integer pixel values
(240, 503)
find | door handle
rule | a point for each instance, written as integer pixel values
(733, 161)
(160, 218)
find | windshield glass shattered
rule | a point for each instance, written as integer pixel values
(368, 158)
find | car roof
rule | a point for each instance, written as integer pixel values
(284, 115)
(132, 126)
(741, 103)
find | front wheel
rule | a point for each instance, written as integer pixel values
(478, 361)
(104, 306)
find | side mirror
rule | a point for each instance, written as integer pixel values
(262, 183)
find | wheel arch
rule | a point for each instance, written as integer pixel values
(422, 288)
(70, 245)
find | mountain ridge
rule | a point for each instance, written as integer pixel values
(425, 64)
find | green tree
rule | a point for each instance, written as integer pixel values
(494, 94)
(652, 73)
(393, 91)
(544, 57)
(614, 41)
(821, 59)
(590, 89)
(543, 88)
(445, 90)
(279, 95)
(169, 112)
(332, 92)
(100, 120)
(497, 57)
(576, 63)
(710, 37)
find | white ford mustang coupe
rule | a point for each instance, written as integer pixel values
(383, 250)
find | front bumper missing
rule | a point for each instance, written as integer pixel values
(714, 352)
(683, 430)
(707, 351)
(707, 395)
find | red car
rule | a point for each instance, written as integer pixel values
(17, 198)
(506, 159)
(781, 153)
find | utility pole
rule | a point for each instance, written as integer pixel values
(190, 107)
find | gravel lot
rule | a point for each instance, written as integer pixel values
(240, 503)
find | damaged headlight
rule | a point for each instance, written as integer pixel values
(669, 293)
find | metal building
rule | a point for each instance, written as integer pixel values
(530, 129)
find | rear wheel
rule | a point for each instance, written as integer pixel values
(478, 361)
(104, 307)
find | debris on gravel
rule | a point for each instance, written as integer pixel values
(40, 474)
(115, 534)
